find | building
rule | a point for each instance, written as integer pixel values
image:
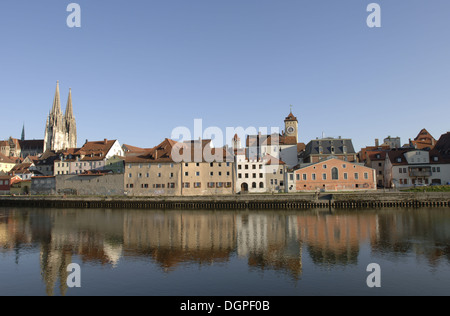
(33, 147)
(274, 170)
(6, 182)
(423, 140)
(282, 146)
(21, 187)
(92, 156)
(60, 129)
(24, 170)
(414, 167)
(331, 174)
(6, 164)
(250, 173)
(320, 149)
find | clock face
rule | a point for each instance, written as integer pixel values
(290, 129)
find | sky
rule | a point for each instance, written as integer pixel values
(139, 69)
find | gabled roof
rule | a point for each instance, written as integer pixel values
(102, 146)
(160, 153)
(5, 159)
(290, 117)
(271, 160)
(443, 145)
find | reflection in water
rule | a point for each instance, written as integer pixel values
(275, 240)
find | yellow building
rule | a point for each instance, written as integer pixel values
(6, 164)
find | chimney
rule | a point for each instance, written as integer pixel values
(156, 154)
(105, 141)
(377, 142)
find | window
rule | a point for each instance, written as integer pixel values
(228, 173)
(291, 177)
(140, 165)
(324, 176)
(129, 165)
(186, 164)
(140, 175)
(186, 174)
(304, 177)
(159, 165)
(344, 166)
(197, 164)
(239, 167)
(186, 185)
(147, 175)
(253, 166)
(197, 173)
(197, 185)
(211, 164)
(171, 175)
(400, 170)
(356, 176)
(246, 176)
(228, 185)
(159, 175)
(313, 176)
(239, 175)
(281, 171)
(171, 165)
(254, 185)
(210, 185)
(130, 175)
(260, 167)
(261, 175)
(438, 169)
(366, 175)
(261, 185)
(345, 176)
(246, 166)
(334, 174)
(220, 173)
(324, 166)
(254, 175)
(298, 177)
(219, 184)
(170, 185)
(211, 173)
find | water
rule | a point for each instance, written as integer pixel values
(239, 253)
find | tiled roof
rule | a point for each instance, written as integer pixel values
(271, 160)
(443, 145)
(270, 140)
(290, 117)
(98, 146)
(5, 159)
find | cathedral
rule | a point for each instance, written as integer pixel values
(60, 129)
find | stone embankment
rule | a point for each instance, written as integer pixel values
(245, 201)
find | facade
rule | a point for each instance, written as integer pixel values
(90, 183)
(414, 167)
(43, 185)
(275, 170)
(156, 172)
(423, 140)
(331, 174)
(31, 147)
(6, 182)
(250, 174)
(320, 149)
(21, 187)
(6, 164)
(60, 129)
(92, 156)
(24, 170)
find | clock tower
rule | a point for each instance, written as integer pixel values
(291, 126)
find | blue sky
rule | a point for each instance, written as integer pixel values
(138, 69)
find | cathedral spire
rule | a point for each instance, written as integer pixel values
(69, 108)
(56, 109)
(23, 133)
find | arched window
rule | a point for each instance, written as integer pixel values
(334, 174)
(261, 185)
(254, 185)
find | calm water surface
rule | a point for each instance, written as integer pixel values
(207, 253)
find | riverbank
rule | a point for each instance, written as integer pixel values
(246, 201)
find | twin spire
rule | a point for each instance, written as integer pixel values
(56, 109)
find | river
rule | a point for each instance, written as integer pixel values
(209, 253)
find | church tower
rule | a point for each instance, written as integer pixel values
(291, 126)
(71, 125)
(60, 130)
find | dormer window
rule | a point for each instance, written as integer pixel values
(399, 159)
(435, 158)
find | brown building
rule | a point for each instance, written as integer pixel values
(334, 175)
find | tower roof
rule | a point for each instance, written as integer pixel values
(56, 108)
(69, 108)
(290, 117)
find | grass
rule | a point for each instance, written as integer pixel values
(433, 188)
